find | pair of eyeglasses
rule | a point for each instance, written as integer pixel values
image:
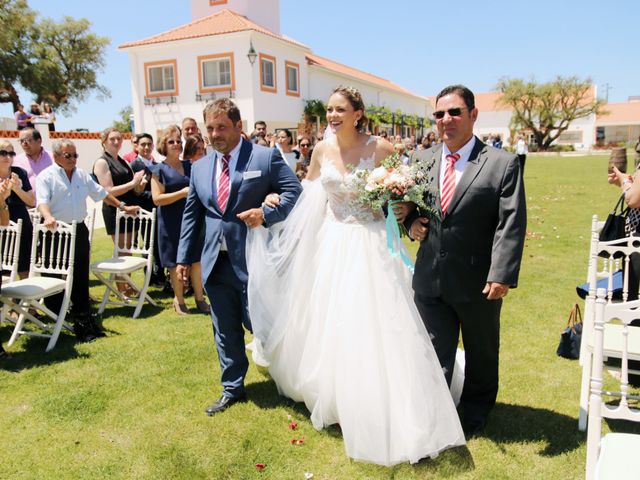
(453, 112)
(173, 142)
(7, 153)
(145, 145)
(25, 140)
(70, 155)
(304, 145)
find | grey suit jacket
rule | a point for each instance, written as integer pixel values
(481, 238)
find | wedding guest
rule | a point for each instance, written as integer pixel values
(133, 154)
(521, 151)
(225, 216)
(194, 148)
(430, 140)
(469, 256)
(304, 147)
(21, 198)
(117, 177)
(50, 116)
(62, 195)
(400, 149)
(637, 150)
(262, 142)
(5, 191)
(23, 119)
(35, 158)
(170, 187)
(259, 131)
(35, 110)
(383, 135)
(497, 143)
(189, 128)
(284, 141)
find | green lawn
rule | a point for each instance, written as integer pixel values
(131, 405)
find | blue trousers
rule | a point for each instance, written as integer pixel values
(230, 315)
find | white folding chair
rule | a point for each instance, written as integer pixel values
(51, 253)
(617, 256)
(90, 221)
(34, 214)
(124, 262)
(10, 240)
(615, 455)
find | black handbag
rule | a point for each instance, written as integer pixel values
(571, 336)
(614, 226)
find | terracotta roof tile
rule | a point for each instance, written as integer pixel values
(620, 113)
(359, 74)
(224, 21)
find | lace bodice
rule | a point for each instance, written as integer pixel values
(341, 192)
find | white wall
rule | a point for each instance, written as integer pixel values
(265, 13)
(323, 81)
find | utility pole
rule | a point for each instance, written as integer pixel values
(607, 87)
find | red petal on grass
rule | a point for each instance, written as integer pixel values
(293, 441)
(260, 466)
(293, 425)
(300, 441)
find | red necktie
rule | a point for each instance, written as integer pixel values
(223, 183)
(449, 183)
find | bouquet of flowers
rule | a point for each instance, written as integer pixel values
(392, 182)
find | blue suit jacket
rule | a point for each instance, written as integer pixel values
(258, 172)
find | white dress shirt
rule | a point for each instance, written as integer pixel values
(233, 161)
(67, 200)
(461, 164)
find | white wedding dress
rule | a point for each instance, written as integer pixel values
(335, 315)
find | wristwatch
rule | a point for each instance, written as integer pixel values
(121, 206)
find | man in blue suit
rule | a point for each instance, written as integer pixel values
(226, 193)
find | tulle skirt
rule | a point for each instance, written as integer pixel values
(356, 352)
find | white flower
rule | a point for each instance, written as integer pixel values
(378, 174)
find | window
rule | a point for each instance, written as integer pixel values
(268, 73)
(161, 78)
(293, 78)
(216, 73)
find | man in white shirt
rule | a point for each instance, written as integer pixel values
(62, 195)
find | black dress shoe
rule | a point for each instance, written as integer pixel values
(223, 403)
(82, 331)
(472, 427)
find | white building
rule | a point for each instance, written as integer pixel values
(235, 48)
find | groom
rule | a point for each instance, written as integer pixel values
(470, 256)
(225, 196)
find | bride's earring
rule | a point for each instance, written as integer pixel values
(355, 123)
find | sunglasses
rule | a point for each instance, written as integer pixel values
(173, 142)
(305, 145)
(70, 155)
(7, 153)
(453, 112)
(145, 145)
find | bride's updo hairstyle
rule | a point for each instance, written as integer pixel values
(355, 99)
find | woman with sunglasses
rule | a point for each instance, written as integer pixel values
(169, 189)
(5, 191)
(117, 177)
(21, 198)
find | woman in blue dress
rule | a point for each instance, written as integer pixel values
(169, 189)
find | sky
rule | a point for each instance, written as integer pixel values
(419, 44)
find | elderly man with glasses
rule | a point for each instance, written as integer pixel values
(35, 158)
(62, 195)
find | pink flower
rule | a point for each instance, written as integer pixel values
(293, 425)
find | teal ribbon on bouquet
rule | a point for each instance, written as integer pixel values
(393, 239)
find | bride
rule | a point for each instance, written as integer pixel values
(334, 311)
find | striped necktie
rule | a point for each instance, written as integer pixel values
(449, 183)
(223, 183)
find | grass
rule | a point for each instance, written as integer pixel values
(132, 405)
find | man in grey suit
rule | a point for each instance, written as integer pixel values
(469, 255)
(225, 197)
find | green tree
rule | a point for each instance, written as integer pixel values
(124, 123)
(547, 109)
(56, 61)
